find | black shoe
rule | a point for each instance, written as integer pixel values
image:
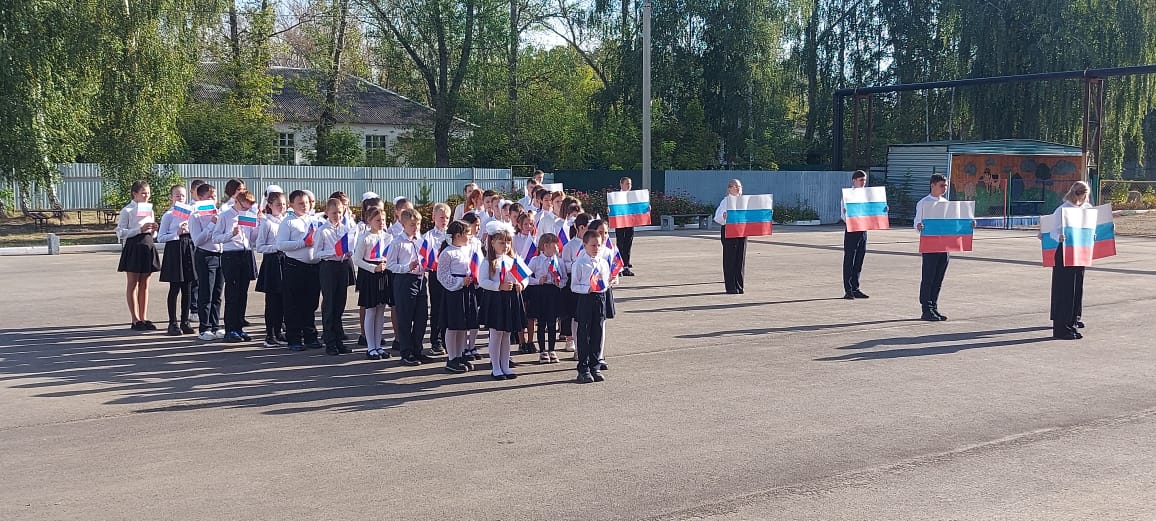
(437, 350)
(497, 376)
(1078, 335)
(233, 338)
(930, 317)
(173, 330)
(362, 342)
(526, 349)
(280, 336)
(373, 355)
(313, 344)
(148, 325)
(271, 341)
(1080, 324)
(597, 376)
(426, 359)
(187, 329)
(602, 366)
(245, 323)
(332, 351)
(627, 273)
(511, 376)
(295, 347)
(859, 294)
(466, 364)
(343, 350)
(410, 361)
(938, 314)
(585, 378)
(1065, 335)
(245, 336)
(137, 326)
(848, 296)
(453, 367)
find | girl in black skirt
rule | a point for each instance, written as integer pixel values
(502, 308)
(544, 295)
(269, 277)
(373, 294)
(473, 229)
(459, 303)
(136, 226)
(177, 266)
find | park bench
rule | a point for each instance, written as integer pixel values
(703, 220)
(42, 216)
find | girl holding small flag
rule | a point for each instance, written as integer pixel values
(459, 305)
(334, 250)
(137, 226)
(1067, 281)
(524, 247)
(236, 231)
(503, 311)
(369, 255)
(734, 249)
(589, 280)
(270, 275)
(297, 238)
(177, 265)
(473, 225)
(435, 238)
(544, 295)
(368, 200)
(410, 293)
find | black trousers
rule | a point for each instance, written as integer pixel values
(183, 291)
(625, 238)
(591, 317)
(300, 293)
(274, 313)
(854, 249)
(934, 268)
(734, 262)
(1067, 294)
(334, 277)
(210, 285)
(237, 269)
(411, 307)
(437, 330)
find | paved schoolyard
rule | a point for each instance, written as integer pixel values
(783, 403)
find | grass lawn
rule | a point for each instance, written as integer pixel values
(21, 231)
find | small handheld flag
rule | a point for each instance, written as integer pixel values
(865, 208)
(617, 265)
(429, 259)
(475, 265)
(553, 269)
(341, 247)
(749, 215)
(144, 209)
(206, 208)
(380, 250)
(531, 251)
(309, 236)
(519, 270)
(597, 285)
(629, 209)
(182, 210)
(562, 238)
(947, 226)
(247, 220)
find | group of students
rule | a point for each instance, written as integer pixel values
(1067, 289)
(533, 269)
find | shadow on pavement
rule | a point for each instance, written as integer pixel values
(959, 342)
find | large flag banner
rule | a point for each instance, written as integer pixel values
(1105, 240)
(629, 209)
(1047, 222)
(749, 215)
(1079, 225)
(866, 208)
(947, 226)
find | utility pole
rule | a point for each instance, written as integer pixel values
(646, 9)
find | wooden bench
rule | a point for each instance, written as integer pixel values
(42, 216)
(702, 219)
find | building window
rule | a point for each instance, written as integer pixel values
(374, 143)
(287, 148)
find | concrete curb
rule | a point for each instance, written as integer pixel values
(43, 250)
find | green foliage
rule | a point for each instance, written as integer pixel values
(423, 193)
(800, 211)
(118, 191)
(221, 133)
(344, 148)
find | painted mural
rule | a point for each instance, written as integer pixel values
(1030, 185)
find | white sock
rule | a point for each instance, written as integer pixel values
(495, 346)
(455, 343)
(602, 344)
(471, 341)
(506, 338)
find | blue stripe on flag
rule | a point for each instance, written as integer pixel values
(1049, 243)
(1105, 232)
(866, 209)
(1078, 237)
(938, 227)
(630, 208)
(760, 215)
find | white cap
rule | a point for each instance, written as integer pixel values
(369, 195)
(273, 189)
(495, 226)
(310, 194)
(398, 199)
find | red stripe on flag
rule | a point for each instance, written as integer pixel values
(944, 243)
(1050, 258)
(862, 224)
(629, 221)
(1077, 256)
(1101, 249)
(735, 231)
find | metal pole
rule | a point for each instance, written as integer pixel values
(646, 9)
(837, 134)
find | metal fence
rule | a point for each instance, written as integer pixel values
(81, 186)
(819, 190)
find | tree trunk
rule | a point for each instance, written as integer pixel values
(328, 119)
(512, 71)
(234, 34)
(811, 69)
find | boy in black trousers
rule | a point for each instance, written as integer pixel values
(410, 292)
(625, 236)
(934, 264)
(854, 248)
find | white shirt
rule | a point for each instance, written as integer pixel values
(326, 241)
(201, 229)
(493, 281)
(454, 266)
(363, 252)
(924, 203)
(570, 253)
(459, 211)
(170, 229)
(720, 214)
(223, 232)
(128, 223)
(291, 239)
(267, 229)
(402, 253)
(540, 266)
(435, 237)
(1058, 222)
(584, 267)
(522, 244)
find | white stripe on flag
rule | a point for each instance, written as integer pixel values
(633, 196)
(750, 202)
(869, 194)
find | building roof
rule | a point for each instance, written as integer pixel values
(1024, 147)
(298, 100)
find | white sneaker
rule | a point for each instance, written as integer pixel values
(207, 336)
(219, 334)
(569, 347)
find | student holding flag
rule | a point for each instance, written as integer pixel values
(136, 226)
(410, 293)
(473, 226)
(613, 259)
(334, 249)
(369, 255)
(625, 234)
(589, 279)
(934, 264)
(854, 247)
(543, 295)
(457, 269)
(525, 248)
(570, 253)
(734, 249)
(1067, 281)
(178, 267)
(210, 278)
(297, 238)
(502, 308)
(435, 238)
(235, 232)
(270, 275)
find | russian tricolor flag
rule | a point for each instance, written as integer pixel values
(749, 215)
(531, 251)
(947, 226)
(865, 208)
(562, 238)
(1049, 245)
(553, 268)
(518, 269)
(206, 208)
(597, 285)
(475, 265)
(144, 209)
(380, 250)
(1079, 225)
(183, 211)
(429, 258)
(616, 264)
(341, 247)
(247, 220)
(629, 209)
(1105, 240)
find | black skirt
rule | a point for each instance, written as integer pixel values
(139, 255)
(178, 265)
(372, 290)
(269, 278)
(459, 309)
(569, 302)
(502, 310)
(543, 302)
(609, 303)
